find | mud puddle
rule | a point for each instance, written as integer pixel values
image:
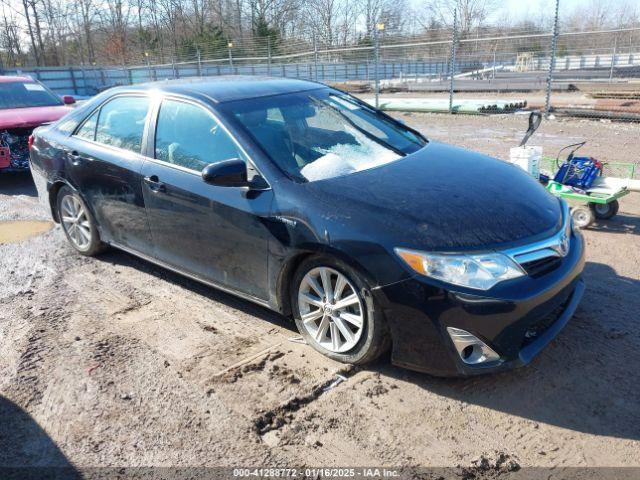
(19, 230)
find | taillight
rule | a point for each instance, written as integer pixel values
(30, 142)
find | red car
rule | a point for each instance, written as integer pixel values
(24, 105)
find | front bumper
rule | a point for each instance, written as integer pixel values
(14, 157)
(517, 318)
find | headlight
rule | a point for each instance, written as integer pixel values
(480, 271)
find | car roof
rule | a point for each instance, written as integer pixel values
(11, 79)
(228, 88)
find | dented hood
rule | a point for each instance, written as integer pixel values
(30, 117)
(439, 198)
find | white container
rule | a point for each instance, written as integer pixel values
(528, 159)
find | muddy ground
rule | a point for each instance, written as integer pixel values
(111, 361)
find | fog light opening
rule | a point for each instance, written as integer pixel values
(471, 349)
(467, 352)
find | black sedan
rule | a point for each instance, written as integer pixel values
(310, 202)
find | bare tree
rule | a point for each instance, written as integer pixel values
(471, 13)
(10, 37)
(115, 19)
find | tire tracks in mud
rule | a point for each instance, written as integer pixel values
(284, 414)
(40, 345)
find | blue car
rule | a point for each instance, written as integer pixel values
(305, 200)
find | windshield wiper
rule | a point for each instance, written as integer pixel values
(367, 134)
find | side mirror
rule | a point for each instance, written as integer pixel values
(68, 100)
(228, 173)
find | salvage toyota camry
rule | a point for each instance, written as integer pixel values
(310, 202)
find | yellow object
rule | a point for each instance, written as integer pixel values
(414, 260)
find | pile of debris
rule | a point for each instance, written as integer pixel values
(437, 105)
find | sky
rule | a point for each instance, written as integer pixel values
(520, 9)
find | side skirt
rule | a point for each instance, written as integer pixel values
(155, 261)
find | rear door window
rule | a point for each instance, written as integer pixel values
(189, 136)
(121, 122)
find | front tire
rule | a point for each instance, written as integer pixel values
(78, 224)
(582, 216)
(335, 312)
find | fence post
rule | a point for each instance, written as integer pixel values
(613, 58)
(493, 73)
(269, 56)
(454, 39)
(173, 67)
(73, 81)
(376, 55)
(315, 59)
(146, 56)
(84, 79)
(552, 61)
(230, 46)
(199, 62)
(95, 76)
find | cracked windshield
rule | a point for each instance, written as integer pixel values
(318, 135)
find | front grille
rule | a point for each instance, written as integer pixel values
(541, 266)
(542, 257)
(18, 142)
(540, 326)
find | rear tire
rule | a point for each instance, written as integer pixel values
(604, 211)
(78, 224)
(345, 324)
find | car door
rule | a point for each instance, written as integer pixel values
(104, 162)
(215, 233)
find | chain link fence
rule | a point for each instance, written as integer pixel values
(586, 74)
(484, 71)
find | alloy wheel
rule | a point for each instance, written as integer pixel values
(75, 222)
(330, 309)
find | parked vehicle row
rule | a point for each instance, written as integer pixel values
(307, 201)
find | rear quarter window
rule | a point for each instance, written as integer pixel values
(88, 128)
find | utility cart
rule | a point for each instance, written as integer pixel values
(578, 180)
(596, 202)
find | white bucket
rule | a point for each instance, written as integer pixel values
(528, 159)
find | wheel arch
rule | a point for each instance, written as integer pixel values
(291, 265)
(55, 188)
(53, 197)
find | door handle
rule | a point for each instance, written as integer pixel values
(155, 185)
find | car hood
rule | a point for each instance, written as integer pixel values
(31, 117)
(440, 198)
